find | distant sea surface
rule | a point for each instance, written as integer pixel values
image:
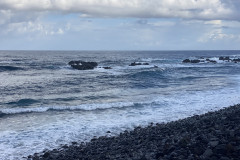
(44, 103)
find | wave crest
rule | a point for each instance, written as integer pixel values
(84, 107)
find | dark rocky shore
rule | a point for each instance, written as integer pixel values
(213, 136)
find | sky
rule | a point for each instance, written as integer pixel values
(119, 24)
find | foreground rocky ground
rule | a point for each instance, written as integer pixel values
(213, 136)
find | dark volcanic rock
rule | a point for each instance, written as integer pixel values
(236, 60)
(186, 61)
(135, 64)
(225, 58)
(191, 61)
(195, 61)
(81, 65)
(213, 61)
(138, 63)
(221, 58)
(214, 135)
(107, 67)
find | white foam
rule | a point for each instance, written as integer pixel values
(86, 107)
(33, 133)
(152, 59)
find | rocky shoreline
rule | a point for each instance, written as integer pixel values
(213, 136)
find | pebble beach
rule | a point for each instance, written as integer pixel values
(213, 136)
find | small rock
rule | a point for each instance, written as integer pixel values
(107, 67)
(213, 143)
(207, 153)
(224, 158)
(74, 143)
(213, 61)
(45, 155)
(135, 64)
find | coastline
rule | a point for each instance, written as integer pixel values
(214, 135)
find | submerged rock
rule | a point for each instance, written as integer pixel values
(81, 65)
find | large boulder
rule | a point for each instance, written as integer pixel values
(81, 65)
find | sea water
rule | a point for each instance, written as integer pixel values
(44, 103)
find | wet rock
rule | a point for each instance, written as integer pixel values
(47, 154)
(138, 63)
(186, 61)
(81, 65)
(107, 67)
(213, 61)
(195, 61)
(221, 58)
(236, 60)
(224, 58)
(74, 143)
(135, 64)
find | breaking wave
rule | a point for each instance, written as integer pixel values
(84, 107)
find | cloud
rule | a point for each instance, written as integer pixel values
(218, 35)
(33, 29)
(186, 9)
(214, 22)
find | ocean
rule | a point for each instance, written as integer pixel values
(45, 104)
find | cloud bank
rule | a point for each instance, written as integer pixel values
(185, 9)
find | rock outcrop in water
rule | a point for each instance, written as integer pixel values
(138, 63)
(212, 136)
(107, 67)
(207, 60)
(81, 65)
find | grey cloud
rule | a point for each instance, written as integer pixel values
(186, 9)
